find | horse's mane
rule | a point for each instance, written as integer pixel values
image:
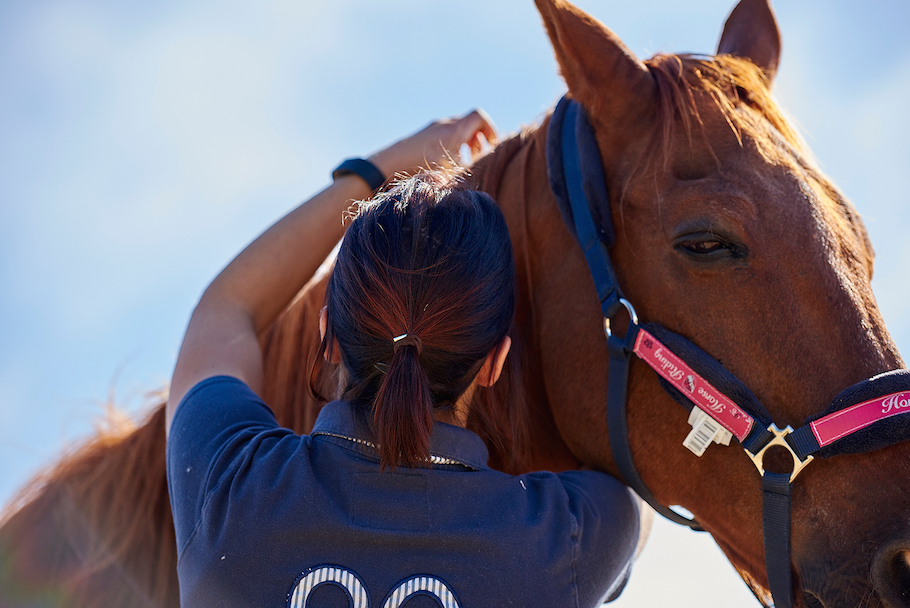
(487, 173)
(95, 529)
(727, 81)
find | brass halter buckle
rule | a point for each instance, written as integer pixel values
(779, 435)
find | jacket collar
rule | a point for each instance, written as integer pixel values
(449, 444)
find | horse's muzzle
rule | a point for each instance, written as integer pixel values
(891, 574)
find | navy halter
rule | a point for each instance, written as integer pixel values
(870, 415)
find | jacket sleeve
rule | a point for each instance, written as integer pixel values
(608, 523)
(215, 414)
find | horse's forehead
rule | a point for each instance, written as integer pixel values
(727, 172)
(710, 138)
(752, 161)
(722, 153)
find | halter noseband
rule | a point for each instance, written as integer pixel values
(866, 416)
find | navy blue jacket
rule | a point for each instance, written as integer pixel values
(265, 517)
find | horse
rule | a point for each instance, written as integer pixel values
(726, 232)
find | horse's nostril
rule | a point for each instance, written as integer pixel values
(891, 575)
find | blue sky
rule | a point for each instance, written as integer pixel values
(143, 144)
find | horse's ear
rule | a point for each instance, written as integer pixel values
(751, 32)
(599, 70)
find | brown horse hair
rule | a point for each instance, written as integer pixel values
(505, 430)
(728, 82)
(107, 499)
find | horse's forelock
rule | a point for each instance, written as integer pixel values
(683, 81)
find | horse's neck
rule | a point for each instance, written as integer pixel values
(557, 314)
(515, 175)
(503, 174)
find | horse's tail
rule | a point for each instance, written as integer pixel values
(95, 530)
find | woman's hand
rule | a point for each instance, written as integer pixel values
(438, 144)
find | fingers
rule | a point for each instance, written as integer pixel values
(486, 126)
(476, 122)
(470, 127)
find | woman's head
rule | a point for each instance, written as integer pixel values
(432, 261)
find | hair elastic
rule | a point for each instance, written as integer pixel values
(407, 340)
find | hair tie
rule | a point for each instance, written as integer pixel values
(407, 340)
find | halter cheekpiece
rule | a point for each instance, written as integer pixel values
(870, 415)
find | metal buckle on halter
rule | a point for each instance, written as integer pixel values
(779, 439)
(632, 315)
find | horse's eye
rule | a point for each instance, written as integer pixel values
(702, 247)
(708, 247)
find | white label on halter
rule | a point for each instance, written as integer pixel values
(704, 430)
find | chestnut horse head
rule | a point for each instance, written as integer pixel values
(726, 233)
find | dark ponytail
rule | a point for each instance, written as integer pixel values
(403, 411)
(423, 289)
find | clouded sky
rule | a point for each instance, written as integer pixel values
(143, 144)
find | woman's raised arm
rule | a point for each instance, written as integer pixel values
(221, 338)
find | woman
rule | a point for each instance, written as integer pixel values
(389, 500)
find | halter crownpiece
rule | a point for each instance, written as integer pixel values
(869, 415)
(407, 340)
